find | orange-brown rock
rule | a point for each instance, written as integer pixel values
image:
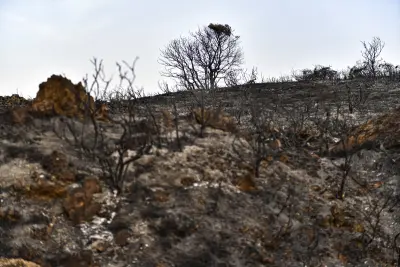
(246, 183)
(45, 190)
(385, 128)
(19, 115)
(78, 203)
(41, 188)
(5, 262)
(275, 144)
(102, 113)
(91, 185)
(59, 96)
(75, 205)
(214, 119)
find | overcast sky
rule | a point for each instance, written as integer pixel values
(42, 37)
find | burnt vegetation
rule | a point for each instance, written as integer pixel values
(227, 167)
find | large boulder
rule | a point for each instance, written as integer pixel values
(59, 96)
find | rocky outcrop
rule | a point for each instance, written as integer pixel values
(383, 130)
(78, 204)
(56, 184)
(37, 209)
(59, 96)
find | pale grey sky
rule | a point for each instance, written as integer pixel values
(42, 37)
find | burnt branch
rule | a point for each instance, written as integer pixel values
(203, 59)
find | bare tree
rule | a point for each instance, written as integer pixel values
(262, 135)
(204, 59)
(94, 139)
(371, 53)
(166, 90)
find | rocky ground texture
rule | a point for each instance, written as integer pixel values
(203, 205)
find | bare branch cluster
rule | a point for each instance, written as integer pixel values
(139, 130)
(204, 59)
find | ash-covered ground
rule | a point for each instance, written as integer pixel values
(203, 205)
